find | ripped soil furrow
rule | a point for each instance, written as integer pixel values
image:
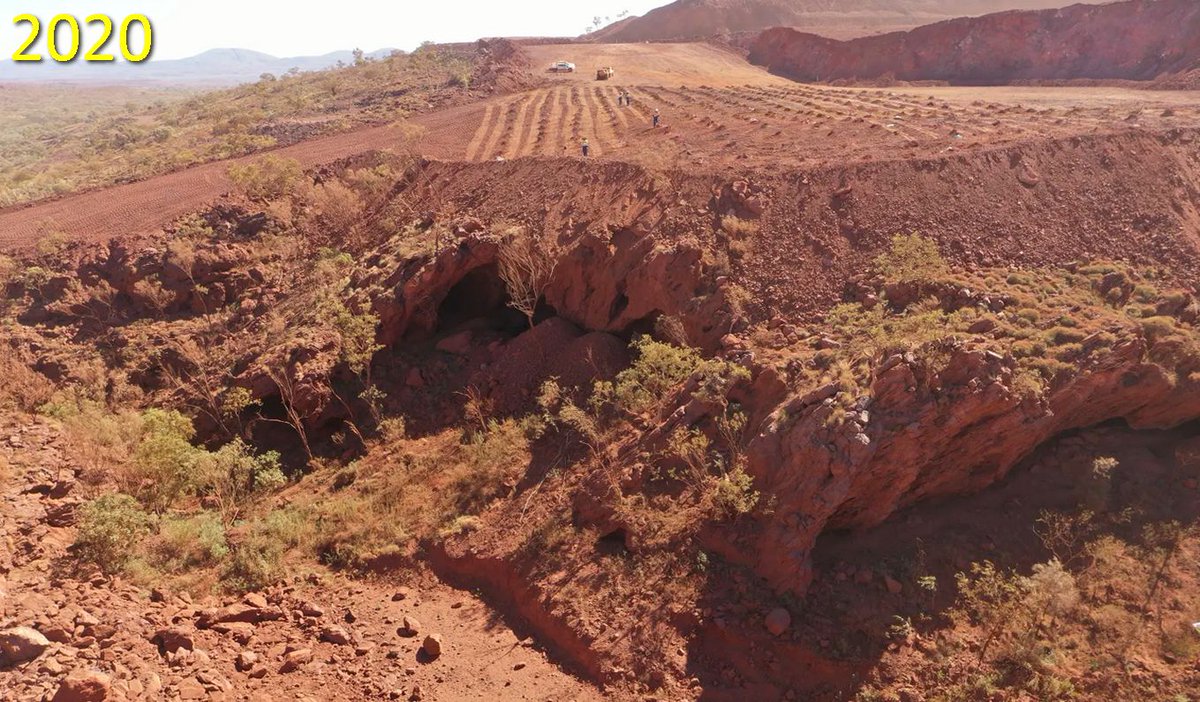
(645, 102)
(564, 133)
(604, 121)
(550, 130)
(530, 133)
(581, 123)
(481, 133)
(609, 98)
(512, 116)
(850, 109)
(515, 137)
(491, 147)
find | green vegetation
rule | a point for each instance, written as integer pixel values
(54, 141)
(43, 130)
(268, 178)
(108, 527)
(911, 258)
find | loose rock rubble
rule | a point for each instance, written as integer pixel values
(74, 635)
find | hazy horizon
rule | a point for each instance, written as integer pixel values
(185, 29)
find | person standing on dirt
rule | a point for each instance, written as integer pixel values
(656, 119)
(620, 98)
(585, 147)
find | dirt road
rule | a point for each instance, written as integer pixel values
(718, 113)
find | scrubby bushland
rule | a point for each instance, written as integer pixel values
(101, 137)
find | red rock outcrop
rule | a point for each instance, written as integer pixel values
(1137, 40)
(916, 435)
(688, 19)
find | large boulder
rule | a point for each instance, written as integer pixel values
(21, 644)
(83, 686)
(172, 639)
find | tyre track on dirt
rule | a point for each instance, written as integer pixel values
(146, 206)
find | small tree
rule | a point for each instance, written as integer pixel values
(108, 528)
(991, 598)
(233, 474)
(527, 263)
(164, 461)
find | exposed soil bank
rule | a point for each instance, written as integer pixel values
(1138, 40)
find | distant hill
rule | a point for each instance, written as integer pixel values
(839, 19)
(1137, 40)
(213, 68)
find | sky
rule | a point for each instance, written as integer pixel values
(288, 28)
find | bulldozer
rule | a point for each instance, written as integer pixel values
(605, 73)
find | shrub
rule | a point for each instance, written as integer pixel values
(393, 428)
(164, 462)
(338, 207)
(991, 598)
(354, 530)
(357, 332)
(23, 388)
(254, 565)
(8, 271)
(527, 263)
(190, 542)
(268, 178)
(1158, 328)
(1063, 335)
(461, 525)
(257, 560)
(1051, 590)
(96, 438)
(911, 258)
(659, 368)
(734, 493)
(108, 528)
(1096, 487)
(738, 227)
(233, 474)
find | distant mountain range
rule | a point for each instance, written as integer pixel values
(214, 67)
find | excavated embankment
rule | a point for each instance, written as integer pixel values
(1137, 40)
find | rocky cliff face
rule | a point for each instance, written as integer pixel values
(1138, 40)
(920, 435)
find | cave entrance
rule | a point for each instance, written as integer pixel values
(480, 295)
(614, 543)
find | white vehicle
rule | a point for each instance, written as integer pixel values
(562, 67)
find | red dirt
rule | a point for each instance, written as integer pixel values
(822, 178)
(759, 122)
(1137, 40)
(483, 657)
